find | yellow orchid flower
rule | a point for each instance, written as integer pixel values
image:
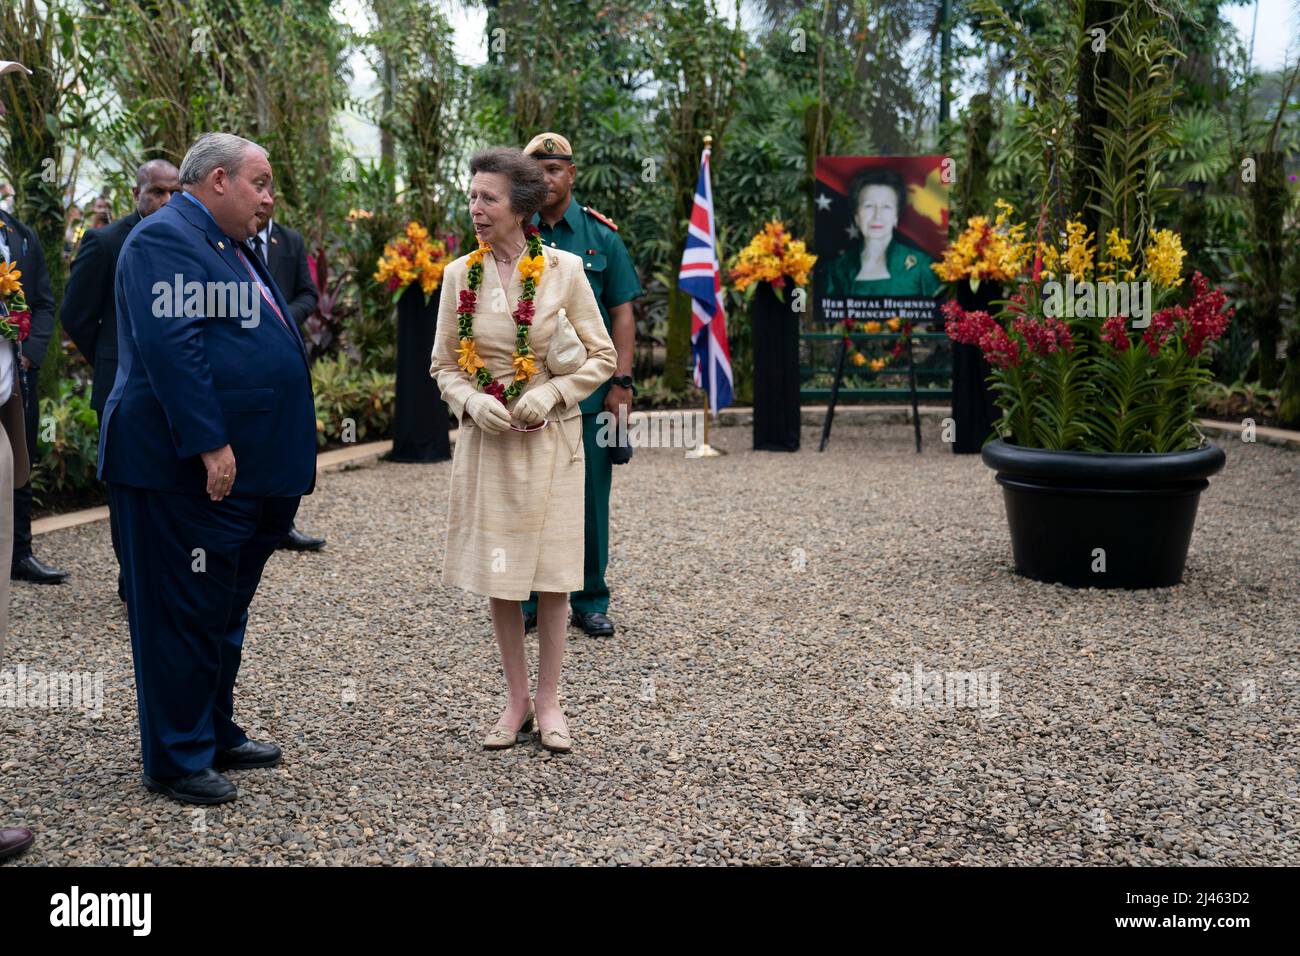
(524, 367)
(9, 277)
(1165, 258)
(530, 267)
(467, 358)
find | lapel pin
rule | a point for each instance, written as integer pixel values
(220, 244)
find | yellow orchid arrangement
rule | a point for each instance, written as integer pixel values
(1162, 257)
(997, 251)
(412, 257)
(772, 256)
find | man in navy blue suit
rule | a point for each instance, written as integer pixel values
(207, 443)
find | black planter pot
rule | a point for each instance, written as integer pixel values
(1139, 509)
(974, 412)
(776, 372)
(420, 427)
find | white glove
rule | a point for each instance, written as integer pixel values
(535, 404)
(488, 413)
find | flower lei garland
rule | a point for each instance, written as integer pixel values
(15, 317)
(874, 328)
(530, 267)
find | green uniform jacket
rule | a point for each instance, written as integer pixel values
(609, 270)
(909, 273)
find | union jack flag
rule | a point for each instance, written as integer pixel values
(701, 279)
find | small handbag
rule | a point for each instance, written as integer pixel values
(566, 353)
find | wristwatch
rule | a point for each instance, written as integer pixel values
(623, 380)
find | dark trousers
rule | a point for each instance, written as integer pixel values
(23, 496)
(594, 596)
(191, 567)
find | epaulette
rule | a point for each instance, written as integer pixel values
(601, 216)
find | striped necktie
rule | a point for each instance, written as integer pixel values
(266, 295)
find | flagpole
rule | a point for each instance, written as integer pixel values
(704, 449)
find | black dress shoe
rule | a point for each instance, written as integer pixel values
(13, 840)
(295, 540)
(248, 756)
(29, 569)
(530, 621)
(205, 787)
(594, 624)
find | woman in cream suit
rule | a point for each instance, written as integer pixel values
(515, 521)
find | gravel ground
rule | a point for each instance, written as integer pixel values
(747, 710)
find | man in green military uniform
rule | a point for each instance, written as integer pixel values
(586, 233)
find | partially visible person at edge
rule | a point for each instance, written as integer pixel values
(14, 468)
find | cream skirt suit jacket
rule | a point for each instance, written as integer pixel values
(515, 520)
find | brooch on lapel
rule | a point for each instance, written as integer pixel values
(909, 262)
(555, 262)
(220, 244)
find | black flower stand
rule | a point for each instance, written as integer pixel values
(973, 409)
(419, 413)
(775, 340)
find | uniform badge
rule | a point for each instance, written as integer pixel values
(548, 144)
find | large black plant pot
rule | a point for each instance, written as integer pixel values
(1139, 509)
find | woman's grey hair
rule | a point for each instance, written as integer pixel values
(212, 150)
(527, 183)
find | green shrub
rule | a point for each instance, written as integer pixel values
(345, 391)
(67, 444)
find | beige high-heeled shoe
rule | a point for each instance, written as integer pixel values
(501, 736)
(556, 741)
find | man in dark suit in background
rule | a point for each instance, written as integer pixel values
(208, 442)
(89, 312)
(20, 244)
(285, 254)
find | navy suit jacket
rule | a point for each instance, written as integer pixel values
(187, 384)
